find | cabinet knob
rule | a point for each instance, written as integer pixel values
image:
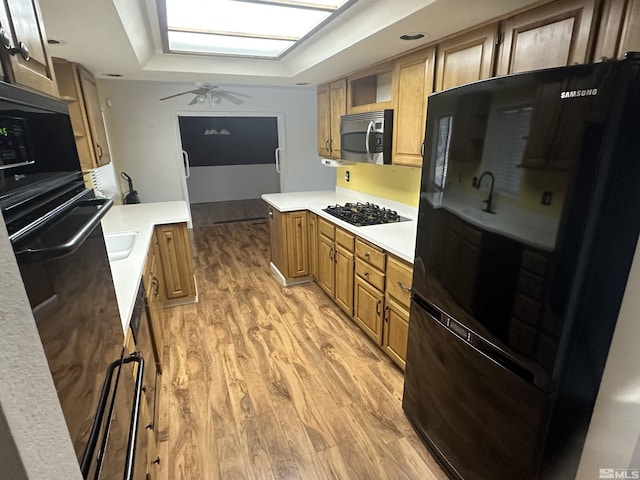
(366, 254)
(149, 426)
(156, 461)
(271, 214)
(366, 274)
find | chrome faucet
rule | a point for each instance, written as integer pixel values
(489, 200)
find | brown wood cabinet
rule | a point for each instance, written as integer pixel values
(335, 264)
(413, 77)
(332, 104)
(619, 31)
(78, 89)
(370, 89)
(23, 53)
(556, 34)
(289, 234)
(313, 244)
(396, 311)
(154, 289)
(465, 58)
(174, 247)
(368, 298)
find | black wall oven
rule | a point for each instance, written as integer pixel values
(53, 223)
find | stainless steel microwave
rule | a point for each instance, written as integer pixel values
(366, 137)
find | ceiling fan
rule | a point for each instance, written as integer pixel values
(207, 94)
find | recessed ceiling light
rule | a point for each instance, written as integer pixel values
(54, 41)
(112, 74)
(413, 36)
(302, 84)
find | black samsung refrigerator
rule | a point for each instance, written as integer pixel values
(528, 221)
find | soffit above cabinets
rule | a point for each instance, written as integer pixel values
(123, 37)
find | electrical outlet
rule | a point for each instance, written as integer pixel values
(347, 176)
(546, 198)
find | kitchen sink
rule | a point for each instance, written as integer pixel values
(120, 245)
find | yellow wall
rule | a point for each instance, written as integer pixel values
(394, 182)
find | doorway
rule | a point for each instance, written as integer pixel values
(230, 161)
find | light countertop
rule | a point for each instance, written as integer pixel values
(396, 238)
(141, 218)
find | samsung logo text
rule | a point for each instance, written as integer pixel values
(579, 93)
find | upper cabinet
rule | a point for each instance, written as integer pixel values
(332, 104)
(23, 53)
(559, 33)
(78, 89)
(619, 29)
(413, 77)
(370, 89)
(465, 58)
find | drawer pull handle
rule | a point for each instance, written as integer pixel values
(149, 426)
(378, 307)
(386, 313)
(366, 254)
(406, 289)
(366, 274)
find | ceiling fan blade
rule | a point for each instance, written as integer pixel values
(231, 98)
(176, 95)
(237, 93)
(195, 100)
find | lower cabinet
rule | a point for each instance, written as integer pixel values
(367, 312)
(174, 247)
(396, 311)
(154, 290)
(335, 264)
(289, 233)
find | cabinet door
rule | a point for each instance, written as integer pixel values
(324, 120)
(338, 93)
(277, 239)
(413, 75)
(29, 65)
(465, 58)
(395, 334)
(313, 245)
(619, 31)
(177, 264)
(553, 35)
(367, 309)
(297, 244)
(326, 265)
(344, 261)
(94, 117)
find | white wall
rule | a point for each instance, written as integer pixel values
(31, 421)
(613, 439)
(145, 138)
(232, 182)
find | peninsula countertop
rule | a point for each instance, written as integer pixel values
(396, 238)
(140, 218)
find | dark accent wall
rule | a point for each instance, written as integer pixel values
(252, 140)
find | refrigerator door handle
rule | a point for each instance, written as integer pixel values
(277, 155)
(187, 164)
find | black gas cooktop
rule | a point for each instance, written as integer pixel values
(362, 214)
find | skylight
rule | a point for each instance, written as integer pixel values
(249, 28)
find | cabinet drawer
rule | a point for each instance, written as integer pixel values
(526, 309)
(345, 239)
(326, 228)
(534, 262)
(399, 276)
(371, 254)
(530, 285)
(370, 274)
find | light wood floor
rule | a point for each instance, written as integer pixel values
(276, 383)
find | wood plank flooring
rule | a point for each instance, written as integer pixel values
(265, 382)
(207, 214)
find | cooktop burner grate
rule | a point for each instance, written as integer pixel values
(363, 214)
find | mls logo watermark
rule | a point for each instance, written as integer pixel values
(620, 473)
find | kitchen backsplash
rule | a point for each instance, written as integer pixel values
(394, 182)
